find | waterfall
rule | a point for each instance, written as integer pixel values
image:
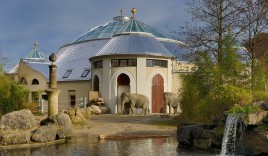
(229, 137)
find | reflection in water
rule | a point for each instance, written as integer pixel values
(84, 146)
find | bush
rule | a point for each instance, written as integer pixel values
(12, 96)
(260, 96)
(224, 97)
(212, 106)
(246, 109)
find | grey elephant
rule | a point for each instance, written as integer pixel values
(135, 101)
(171, 100)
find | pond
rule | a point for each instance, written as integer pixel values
(85, 146)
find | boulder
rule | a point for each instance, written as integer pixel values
(15, 138)
(197, 135)
(264, 106)
(76, 115)
(21, 120)
(95, 110)
(104, 110)
(45, 134)
(63, 133)
(257, 143)
(63, 120)
(202, 143)
(256, 118)
(86, 112)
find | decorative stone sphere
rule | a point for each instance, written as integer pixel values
(53, 57)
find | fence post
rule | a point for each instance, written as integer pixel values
(85, 102)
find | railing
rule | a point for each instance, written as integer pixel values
(43, 104)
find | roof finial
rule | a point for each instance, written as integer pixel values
(133, 12)
(121, 12)
(35, 45)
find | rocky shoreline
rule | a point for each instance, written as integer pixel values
(109, 125)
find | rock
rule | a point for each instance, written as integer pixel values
(197, 135)
(63, 133)
(104, 110)
(96, 110)
(264, 106)
(202, 143)
(45, 134)
(76, 115)
(63, 120)
(15, 138)
(256, 118)
(257, 143)
(86, 112)
(23, 119)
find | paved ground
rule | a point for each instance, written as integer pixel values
(110, 124)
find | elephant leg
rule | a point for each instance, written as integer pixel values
(132, 110)
(175, 110)
(142, 111)
(146, 110)
(169, 109)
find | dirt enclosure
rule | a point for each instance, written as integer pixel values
(126, 125)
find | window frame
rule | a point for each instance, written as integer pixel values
(85, 73)
(67, 73)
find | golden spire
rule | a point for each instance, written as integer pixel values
(133, 12)
(35, 45)
(121, 12)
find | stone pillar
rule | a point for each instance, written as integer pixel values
(52, 76)
(52, 92)
(53, 107)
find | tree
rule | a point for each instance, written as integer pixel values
(233, 68)
(13, 96)
(211, 20)
(255, 22)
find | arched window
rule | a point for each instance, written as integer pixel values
(35, 82)
(123, 79)
(23, 81)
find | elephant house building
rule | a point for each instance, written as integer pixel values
(124, 55)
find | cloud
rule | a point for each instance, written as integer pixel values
(55, 23)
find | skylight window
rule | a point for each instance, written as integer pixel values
(67, 74)
(85, 73)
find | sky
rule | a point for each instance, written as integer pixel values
(54, 23)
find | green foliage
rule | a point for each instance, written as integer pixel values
(246, 109)
(12, 95)
(219, 100)
(260, 96)
(232, 67)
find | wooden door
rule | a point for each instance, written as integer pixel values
(96, 84)
(157, 94)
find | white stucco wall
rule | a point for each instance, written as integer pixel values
(140, 79)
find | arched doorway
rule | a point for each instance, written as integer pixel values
(157, 94)
(96, 84)
(123, 82)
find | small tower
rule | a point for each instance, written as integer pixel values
(52, 92)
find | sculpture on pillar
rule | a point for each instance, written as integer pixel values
(52, 92)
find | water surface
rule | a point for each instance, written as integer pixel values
(87, 146)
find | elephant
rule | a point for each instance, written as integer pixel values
(135, 101)
(171, 100)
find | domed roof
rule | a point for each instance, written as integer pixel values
(117, 26)
(134, 43)
(35, 54)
